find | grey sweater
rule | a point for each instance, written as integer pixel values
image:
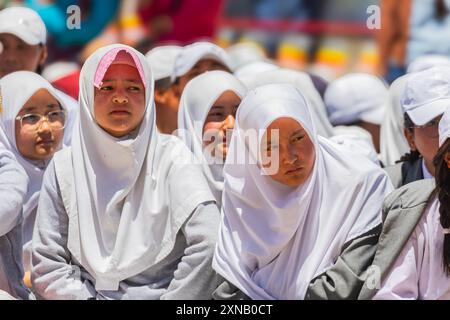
(13, 188)
(186, 273)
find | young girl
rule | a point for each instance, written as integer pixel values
(33, 120)
(300, 210)
(425, 97)
(302, 81)
(206, 120)
(122, 214)
(413, 254)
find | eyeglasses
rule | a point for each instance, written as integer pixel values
(33, 121)
(430, 129)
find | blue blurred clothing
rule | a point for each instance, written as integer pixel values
(427, 34)
(55, 18)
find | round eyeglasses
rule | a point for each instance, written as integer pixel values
(33, 121)
(430, 129)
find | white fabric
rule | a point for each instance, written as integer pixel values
(197, 99)
(244, 53)
(275, 239)
(193, 53)
(15, 90)
(427, 94)
(58, 70)
(302, 81)
(24, 23)
(121, 223)
(356, 139)
(428, 61)
(354, 97)
(393, 143)
(426, 174)
(418, 271)
(444, 127)
(249, 71)
(162, 60)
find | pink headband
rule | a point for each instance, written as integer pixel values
(109, 58)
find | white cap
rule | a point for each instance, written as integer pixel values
(162, 60)
(254, 68)
(427, 94)
(243, 53)
(444, 127)
(58, 70)
(356, 97)
(193, 53)
(428, 61)
(24, 23)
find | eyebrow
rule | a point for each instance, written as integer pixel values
(298, 132)
(126, 80)
(48, 106)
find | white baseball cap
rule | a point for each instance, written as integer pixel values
(356, 97)
(193, 53)
(162, 60)
(444, 127)
(428, 61)
(24, 23)
(427, 94)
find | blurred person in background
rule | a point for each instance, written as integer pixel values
(411, 28)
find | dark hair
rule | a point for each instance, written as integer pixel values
(442, 191)
(440, 9)
(413, 155)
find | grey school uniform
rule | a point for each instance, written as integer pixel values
(13, 188)
(186, 273)
(402, 211)
(342, 281)
(405, 172)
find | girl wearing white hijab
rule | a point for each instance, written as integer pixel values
(13, 189)
(33, 121)
(302, 81)
(114, 219)
(207, 110)
(304, 221)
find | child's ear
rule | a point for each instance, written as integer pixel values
(447, 159)
(409, 135)
(160, 96)
(44, 55)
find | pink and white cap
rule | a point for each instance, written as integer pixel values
(120, 55)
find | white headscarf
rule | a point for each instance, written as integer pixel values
(197, 99)
(122, 220)
(274, 239)
(356, 96)
(16, 89)
(356, 139)
(302, 81)
(393, 143)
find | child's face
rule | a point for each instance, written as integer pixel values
(39, 138)
(17, 55)
(296, 153)
(220, 120)
(119, 104)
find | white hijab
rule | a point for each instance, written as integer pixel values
(15, 90)
(302, 81)
(393, 143)
(273, 239)
(197, 99)
(122, 219)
